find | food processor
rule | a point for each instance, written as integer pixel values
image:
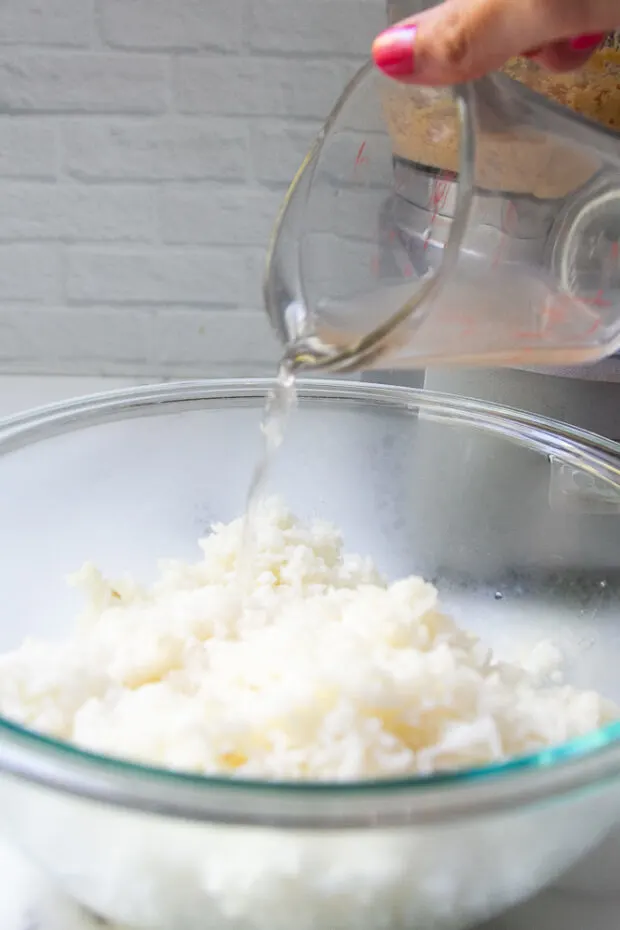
(586, 396)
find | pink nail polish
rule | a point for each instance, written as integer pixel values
(393, 53)
(586, 43)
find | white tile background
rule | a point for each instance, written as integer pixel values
(144, 148)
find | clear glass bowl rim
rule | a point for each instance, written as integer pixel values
(586, 762)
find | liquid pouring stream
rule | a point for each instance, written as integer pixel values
(281, 401)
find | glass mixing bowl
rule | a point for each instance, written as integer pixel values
(512, 516)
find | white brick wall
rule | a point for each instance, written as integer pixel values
(145, 146)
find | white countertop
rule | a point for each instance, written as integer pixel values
(583, 902)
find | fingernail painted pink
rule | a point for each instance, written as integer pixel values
(586, 42)
(393, 51)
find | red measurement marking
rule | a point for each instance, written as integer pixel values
(615, 251)
(596, 325)
(438, 198)
(509, 224)
(555, 315)
(360, 158)
(598, 300)
(439, 191)
(374, 265)
(555, 312)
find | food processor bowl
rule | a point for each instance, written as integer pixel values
(128, 477)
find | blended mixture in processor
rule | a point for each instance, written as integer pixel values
(424, 129)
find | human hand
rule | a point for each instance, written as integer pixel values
(460, 40)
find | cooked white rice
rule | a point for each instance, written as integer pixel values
(323, 671)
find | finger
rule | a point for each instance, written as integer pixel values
(567, 55)
(462, 39)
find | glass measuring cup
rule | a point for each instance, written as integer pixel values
(474, 226)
